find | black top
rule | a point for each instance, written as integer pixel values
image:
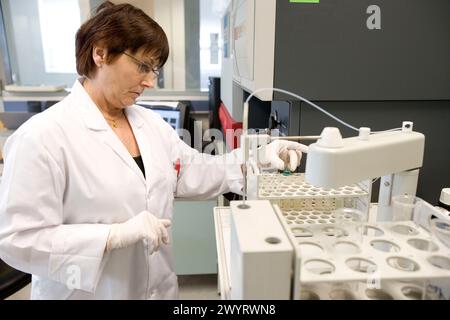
(140, 163)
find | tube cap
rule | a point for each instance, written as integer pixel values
(445, 196)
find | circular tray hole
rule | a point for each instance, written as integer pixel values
(318, 266)
(291, 218)
(294, 213)
(361, 265)
(404, 230)
(308, 295)
(311, 222)
(423, 245)
(301, 232)
(440, 262)
(323, 221)
(371, 231)
(334, 231)
(378, 294)
(346, 247)
(310, 249)
(441, 230)
(385, 246)
(403, 264)
(413, 293)
(341, 294)
(349, 214)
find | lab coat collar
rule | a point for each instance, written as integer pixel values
(134, 117)
(95, 121)
(92, 116)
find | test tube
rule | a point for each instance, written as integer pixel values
(438, 248)
(349, 224)
(437, 245)
(405, 207)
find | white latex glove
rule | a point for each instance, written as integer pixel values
(143, 226)
(282, 154)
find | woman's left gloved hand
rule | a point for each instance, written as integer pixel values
(282, 154)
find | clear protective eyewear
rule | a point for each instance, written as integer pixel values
(143, 67)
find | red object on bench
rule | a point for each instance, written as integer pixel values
(229, 126)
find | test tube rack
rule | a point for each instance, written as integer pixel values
(391, 258)
(304, 204)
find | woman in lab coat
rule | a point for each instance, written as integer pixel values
(88, 185)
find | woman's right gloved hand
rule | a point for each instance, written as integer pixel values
(143, 226)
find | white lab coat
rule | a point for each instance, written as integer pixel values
(67, 177)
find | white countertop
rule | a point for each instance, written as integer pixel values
(148, 95)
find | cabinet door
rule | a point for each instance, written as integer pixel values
(194, 244)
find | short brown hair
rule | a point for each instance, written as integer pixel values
(119, 28)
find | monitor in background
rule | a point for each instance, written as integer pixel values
(174, 113)
(172, 117)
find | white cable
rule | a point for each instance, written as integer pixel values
(246, 107)
(298, 97)
(391, 130)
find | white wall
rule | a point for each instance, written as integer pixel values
(145, 5)
(211, 13)
(178, 45)
(170, 15)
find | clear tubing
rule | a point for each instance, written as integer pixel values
(246, 107)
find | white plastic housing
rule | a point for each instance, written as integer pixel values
(261, 254)
(358, 160)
